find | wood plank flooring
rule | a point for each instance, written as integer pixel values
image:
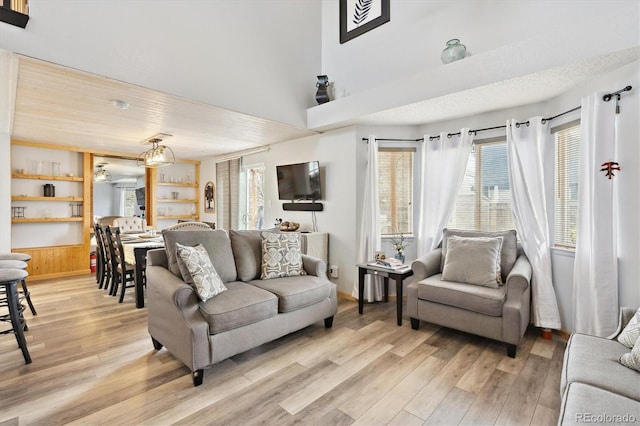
(93, 363)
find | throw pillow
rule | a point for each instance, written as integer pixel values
(632, 359)
(473, 261)
(629, 336)
(281, 256)
(198, 271)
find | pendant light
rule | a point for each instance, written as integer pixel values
(101, 175)
(157, 156)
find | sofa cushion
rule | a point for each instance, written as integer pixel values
(594, 361)
(197, 271)
(473, 261)
(281, 255)
(216, 242)
(631, 332)
(585, 404)
(296, 292)
(242, 304)
(484, 300)
(247, 252)
(632, 359)
(509, 253)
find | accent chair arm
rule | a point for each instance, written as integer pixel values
(427, 265)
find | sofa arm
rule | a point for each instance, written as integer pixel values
(626, 313)
(314, 266)
(427, 265)
(516, 308)
(519, 278)
(174, 318)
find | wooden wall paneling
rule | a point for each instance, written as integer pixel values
(151, 196)
(87, 206)
(199, 190)
(56, 261)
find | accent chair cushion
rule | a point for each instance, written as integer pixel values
(473, 261)
(242, 304)
(197, 271)
(631, 332)
(216, 242)
(484, 300)
(296, 292)
(247, 252)
(632, 359)
(281, 256)
(508, 255)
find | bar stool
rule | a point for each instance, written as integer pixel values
(19, 257)
(9, 279)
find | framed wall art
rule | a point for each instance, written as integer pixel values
(359, 16)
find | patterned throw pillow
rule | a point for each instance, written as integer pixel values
(281, 256)
(632, 359)
(197, 270)
(629, 336)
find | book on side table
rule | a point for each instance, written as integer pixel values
(394, 264)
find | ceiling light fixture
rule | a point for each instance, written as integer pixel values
(101, 175)
(117, 103)
(157, 156)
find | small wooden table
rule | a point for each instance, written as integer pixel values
(398, 275)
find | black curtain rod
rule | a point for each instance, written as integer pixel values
(606, 98)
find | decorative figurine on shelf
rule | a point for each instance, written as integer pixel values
(209, 195)
(399, 243)
(322, 96)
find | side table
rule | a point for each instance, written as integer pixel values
(398, 275)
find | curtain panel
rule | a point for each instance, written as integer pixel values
(527, 146)
(444, 161)
(595, 275)
(228, 193)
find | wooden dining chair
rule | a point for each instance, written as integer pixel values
(123, 272)
(108, 262)
(101, 257)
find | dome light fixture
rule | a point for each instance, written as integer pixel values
(101, 175)
(157, 156)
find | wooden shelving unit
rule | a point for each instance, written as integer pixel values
(179, 216)
(171, 200)
(185, 185)
(45, 219)
(48, 177)
(32, 198)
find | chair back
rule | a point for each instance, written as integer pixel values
(115, 244)
(131, 224)
(106, 220)
(187, 226)
(105, 236)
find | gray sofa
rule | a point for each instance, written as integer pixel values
(595, 387)
(497, 313)
(249, 313)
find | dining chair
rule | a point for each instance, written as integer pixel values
(101, 268)
(123, 271)
(108, 282)
(24, 293)
(186, 226)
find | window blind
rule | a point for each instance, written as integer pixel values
(484, 199)
(395, 190)
(567, 142)
(228, 197)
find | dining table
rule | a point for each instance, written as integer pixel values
(135, 247)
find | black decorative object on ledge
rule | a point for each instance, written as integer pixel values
(322, 96)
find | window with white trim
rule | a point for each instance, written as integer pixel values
(395, 190)
(567, 143)
(484, 199)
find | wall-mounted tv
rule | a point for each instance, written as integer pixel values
(299, 181)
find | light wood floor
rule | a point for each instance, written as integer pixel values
(93, 363)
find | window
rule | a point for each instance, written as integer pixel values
(484, 199)
(395, 185)
(567, 139)
(130, 201)
(252, 197)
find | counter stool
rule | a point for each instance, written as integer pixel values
(9, 279)
(5, 259)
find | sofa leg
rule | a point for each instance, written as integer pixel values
(328, 322)
(511, 350)
(415, 323)
(156, 345)
(198, 375)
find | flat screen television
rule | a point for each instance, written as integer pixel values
(299, 181)
(140, 198)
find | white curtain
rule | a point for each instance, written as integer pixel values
(595, 275)
(370, 241)
(444, 162)
(527, 147)
(119, 193)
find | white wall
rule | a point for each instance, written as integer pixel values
(258, 57)
(103, 200)
(418, 31)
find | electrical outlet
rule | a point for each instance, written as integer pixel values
(333, 271)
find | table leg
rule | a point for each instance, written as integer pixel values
(386, 289)
(141, 260)
(361, 274)
(399, 298)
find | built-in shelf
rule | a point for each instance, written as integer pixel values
(172, 200)
(186, 185)
(45, 219)
(48, 177)
(30, 198)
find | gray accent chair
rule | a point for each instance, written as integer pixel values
(249, 313)
(594, 383)
(497, 313)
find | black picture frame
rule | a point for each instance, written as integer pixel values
(352, 10)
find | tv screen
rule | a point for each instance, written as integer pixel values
(299, 181)
(140, 196)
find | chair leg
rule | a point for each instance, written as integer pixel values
(156, 345)
(198, 376)
(328, 322)
(115, 284)
(511, 350)
(415, 323)
(27, 296)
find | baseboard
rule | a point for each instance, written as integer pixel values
(43, 277)
(346, 296)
